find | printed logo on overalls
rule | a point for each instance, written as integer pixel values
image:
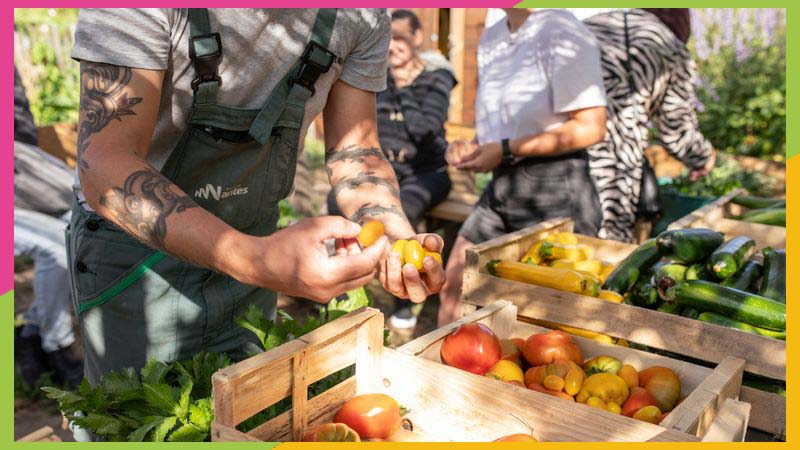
(216, 192)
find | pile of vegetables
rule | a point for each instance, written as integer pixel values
(704, 277)
(560, 262)
(768, 211)
(552, 363)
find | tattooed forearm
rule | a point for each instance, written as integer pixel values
(351, 154)
(373, 209)
(365, 178)
(143, 205)
(103, 99)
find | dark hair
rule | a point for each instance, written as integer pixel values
(413, 20)
(676, 19)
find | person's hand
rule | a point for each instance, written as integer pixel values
(483, 158)
(696, 174)
(405, 281)
(457, 150)
(295, 260)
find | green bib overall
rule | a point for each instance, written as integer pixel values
(135, 303)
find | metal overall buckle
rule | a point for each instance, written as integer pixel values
(205, 64)
(315, 61)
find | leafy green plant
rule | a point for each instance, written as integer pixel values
(742, 69)
(726, 176)
(287, 214)
(171, 401)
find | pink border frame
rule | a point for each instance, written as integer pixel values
(7, 80)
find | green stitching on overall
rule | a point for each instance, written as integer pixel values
(135, 303)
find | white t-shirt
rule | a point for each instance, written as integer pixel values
(529, 80)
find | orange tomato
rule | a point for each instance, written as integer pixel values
(664, 384)
(372, 416)
(535, 375)
(370, 232)
(413, 253)
(630, 375)
(544, 348)
(544, 390)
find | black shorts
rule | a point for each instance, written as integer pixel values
(534, 190)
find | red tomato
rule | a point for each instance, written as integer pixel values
(545, 348)
(519, 437)
(472, 347)
(331, 432)
(372, 416)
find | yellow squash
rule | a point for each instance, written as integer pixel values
(562, 237)
(610, 296)
(591, 266)
(562, 279)
(532, 255)
(572, 252)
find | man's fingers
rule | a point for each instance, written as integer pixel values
(413, 283)
(435, 276)
(340, 246)
(352, 246)
(431, 241)
(394, 276)
(353, 266)
(334, 227)
(358, 282)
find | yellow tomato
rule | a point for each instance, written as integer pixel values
(433, 255)
(507, 371)
(573, 381)
(608, 387)
(370, 232)
(613, 408)
(649, 414)
(596, 402)
(398, 247)
(413, 254)
(553, 382)
(630, 375)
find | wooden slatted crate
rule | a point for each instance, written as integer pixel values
(703, 341)
(718, 214)
(447, 404)
(705, 388)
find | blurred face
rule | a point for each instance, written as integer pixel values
(403, 47)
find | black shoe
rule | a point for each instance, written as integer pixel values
(68, 368)
(403, 318)
(31, 360)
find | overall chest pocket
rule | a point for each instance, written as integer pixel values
(226, 172)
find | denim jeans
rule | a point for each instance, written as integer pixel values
(41, 238)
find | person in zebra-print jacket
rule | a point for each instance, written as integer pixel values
(660, 88)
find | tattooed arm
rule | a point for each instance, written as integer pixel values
(365, 187)
(119, 106)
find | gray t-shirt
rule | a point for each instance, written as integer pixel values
(259, 48)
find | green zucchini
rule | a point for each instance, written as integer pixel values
(644, 294)
(749, 308)
(689, 312)
(774, 283)
(768, 216)
(730, 256)
(667, 276)
(753, 202)
(719, 319)
(627, 272)
(774, 387)
(689, 245)
(698, 271)
(669, 307)
(746, 278)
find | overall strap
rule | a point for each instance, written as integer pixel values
(288, 99)
(205, 51)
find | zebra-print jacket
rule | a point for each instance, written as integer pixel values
(663, 75)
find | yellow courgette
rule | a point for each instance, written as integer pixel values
(592, 266)
(562, 237)
(610, 296)
(532, 255)
(572, 252)
(606, 269)
(562, 279)
(576, 331)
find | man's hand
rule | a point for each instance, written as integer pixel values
(483, 159)
(696, 174)
(405, 281)
(457, 150)
(295, 260)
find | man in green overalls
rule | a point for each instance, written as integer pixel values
(190, 126)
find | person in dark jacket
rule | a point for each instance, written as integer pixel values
(411, 116)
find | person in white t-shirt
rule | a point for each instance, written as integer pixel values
(540, 103)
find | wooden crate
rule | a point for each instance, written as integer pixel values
(707, 342)
(717, 216)
(705, 388)
(464, 408)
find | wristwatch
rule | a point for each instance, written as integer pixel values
(508, 157)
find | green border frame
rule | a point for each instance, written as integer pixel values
(793, 147)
